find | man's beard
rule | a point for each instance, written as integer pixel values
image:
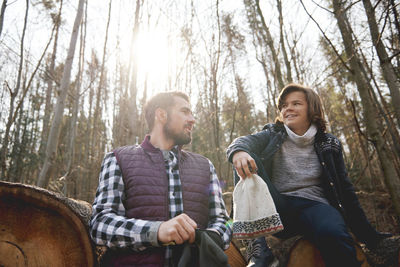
(179, 138)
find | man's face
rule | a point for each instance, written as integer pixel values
(180, 122)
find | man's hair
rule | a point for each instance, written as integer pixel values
(164, 100)
(315, 110)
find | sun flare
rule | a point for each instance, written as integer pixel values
(153, 54)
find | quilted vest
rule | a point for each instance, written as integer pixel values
(146, 189)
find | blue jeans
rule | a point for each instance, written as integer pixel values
(320, 223)
(324, 226)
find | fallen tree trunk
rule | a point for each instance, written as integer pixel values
(303, 253)
(40, 228)
(299, 252)
(235, 258)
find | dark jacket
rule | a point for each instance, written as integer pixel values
(337, 187)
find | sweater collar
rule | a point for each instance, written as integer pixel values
(306, 139)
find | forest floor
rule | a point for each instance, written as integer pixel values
(379, 210)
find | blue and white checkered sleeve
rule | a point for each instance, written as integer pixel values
(108, 224)
(218, 216)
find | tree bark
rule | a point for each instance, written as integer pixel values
(298, 252)
(396, 17)
(96, 143)
(270, 43)
(2, 12)
(74, 117)
(391, 178)
(282, 42)
(13, 95)
(50, 77)
(214, 96)
(387, 68)
(132, 119)
(25, 207)
(52, 142)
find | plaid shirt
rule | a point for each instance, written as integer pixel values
(109, 225)
(174, 193)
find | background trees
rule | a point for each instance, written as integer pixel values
(232, 58)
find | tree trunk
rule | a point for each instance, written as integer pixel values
(391, 178)
(96, 143)
(396, 18)
(214, 97)
(72, 128)
(387, 67)
(58, 233)
(282, 42)
(13, 95)
(298, 252)
(270, 43)
(364, 145)
(52, 142)
(384, 111)
(74, 118)
(132, 80)
(2, 12)
(16, 154)
(50, 77)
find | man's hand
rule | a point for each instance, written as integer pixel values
(178, 229)
(244, 164)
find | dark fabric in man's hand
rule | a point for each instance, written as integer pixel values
(210, 252)
(210, 249)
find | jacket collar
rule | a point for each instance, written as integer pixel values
(148, 146)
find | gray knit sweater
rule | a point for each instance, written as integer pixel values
(296, 169)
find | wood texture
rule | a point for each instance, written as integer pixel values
(235, 258)
(304, 253)
(39, 228)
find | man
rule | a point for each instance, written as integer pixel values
(155, 195)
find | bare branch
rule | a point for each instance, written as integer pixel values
(326, 37)
(324, 8)
(33, 75)
(8, 87)
(394, 55)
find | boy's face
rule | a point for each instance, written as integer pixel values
(294, 112)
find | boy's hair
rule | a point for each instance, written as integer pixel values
(315, 109)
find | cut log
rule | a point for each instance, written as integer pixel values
(297, 251)
(40, 228)
(235, 258)
(304, 253)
